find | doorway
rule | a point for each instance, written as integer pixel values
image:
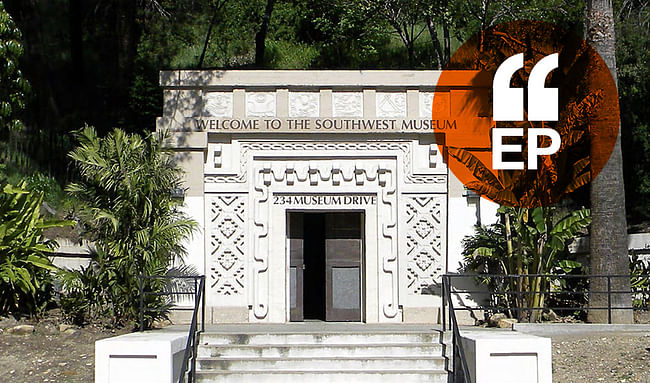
(326, 252)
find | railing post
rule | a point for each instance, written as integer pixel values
(141, 303)
(609, 300)
(519, 300)
(443, 293)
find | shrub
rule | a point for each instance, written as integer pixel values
(127, 208)
(640, 281)
(529, 242)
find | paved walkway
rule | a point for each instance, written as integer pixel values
(562, 329)
(311, 326)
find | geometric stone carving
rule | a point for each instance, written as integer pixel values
(404, 147)
(317, 174)
(217, 160)
(433, 155)
(273, 175)
(391, 104)
(218, 104)
(227, 240)
(424, 241)
(304, 104)
(260, 104)
(347, 104)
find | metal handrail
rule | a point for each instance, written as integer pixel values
(518, 309)
(193, 334)
(143, 293)
(457, 344)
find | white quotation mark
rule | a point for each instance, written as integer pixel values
(508, 105)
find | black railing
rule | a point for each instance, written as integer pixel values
(195, 288)
(459, 365)
(565, 294)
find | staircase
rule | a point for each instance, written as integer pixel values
(321, 352)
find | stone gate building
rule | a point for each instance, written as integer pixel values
(320, 194)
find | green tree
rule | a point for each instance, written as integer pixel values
(127, 208)
(14, 86)
(443, 14)
(405, 18)
(633, 71)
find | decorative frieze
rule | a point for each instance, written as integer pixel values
(404, 147)
(345, 104)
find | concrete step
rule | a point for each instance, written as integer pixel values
(320, 350)
(324, 376)
(321, 338)
(318, 364)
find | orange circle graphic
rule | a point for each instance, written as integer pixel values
(587, 115)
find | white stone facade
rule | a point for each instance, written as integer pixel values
(242, 182)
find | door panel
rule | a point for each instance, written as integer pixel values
(295, 234)
(343, 249)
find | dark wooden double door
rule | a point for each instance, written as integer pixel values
(325, 265)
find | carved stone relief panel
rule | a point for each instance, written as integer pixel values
(426, 102)
(260, 104)
(442, 104)
(423, 247)
(304, 104)
(226, 229)
(218, 104)
(347, 104)
(391, 104)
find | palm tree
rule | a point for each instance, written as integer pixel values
(608, 240)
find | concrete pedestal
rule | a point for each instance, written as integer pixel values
(145, 357)
(507, 356)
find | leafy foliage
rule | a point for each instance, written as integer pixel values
(82, 72)
(126, 207)
(527, 242)
(25, 283)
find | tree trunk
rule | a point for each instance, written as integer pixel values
(207, 39)
(410, 49)
(437, 47)
(446, 40)
(608, 239)
(260, 36)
